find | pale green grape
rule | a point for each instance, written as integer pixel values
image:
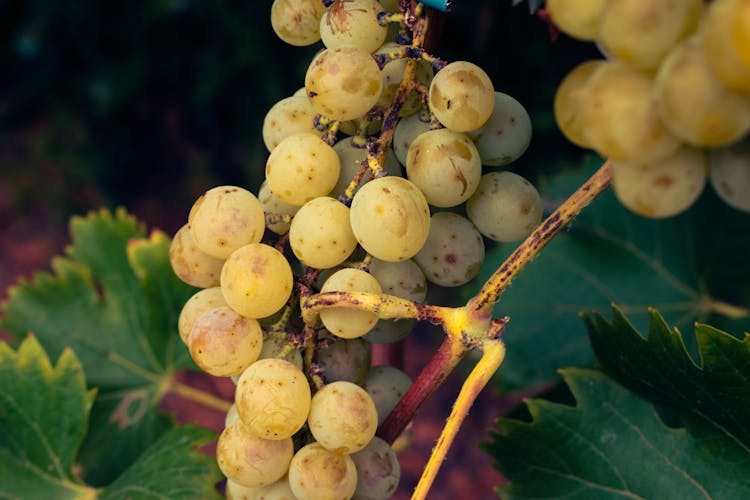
(407, 130)
(297, 22)
(577, 18)
(224, 219)
(272, 204)
(280, 490)
(506, 135)
(223, 343)
(569, 99)
(321, 235)
(453, 252)
(445, 166)
(664, 188)
(318, 474)
(694, 104)
(343, 83)
(378, 471)
(506, 207)
(730, 176)
(190, 263)
(302, 167)
(462, 96)
(387, 331)
(256, 280)
(196, 306)
(232, 416)
(276, 347)
(726, 37)
(343, 322)
(393, 74)
(345, 359)
(343, 418)
(235, 491)
(289, 116)
(642, 32)
(351, 156)
(353, 22)
(620, 118)
(390, 218)
(273, 398)
(250, 460)
(403, 279)
(386, 385)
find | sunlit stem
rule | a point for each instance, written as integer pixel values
(492, 358)
(491, 291)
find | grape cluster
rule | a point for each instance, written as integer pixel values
(344, 210)
(670, 105)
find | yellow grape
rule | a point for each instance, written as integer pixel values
(462, 96)
(353, 22)
(321, 235)
(577, 18)
(272, 204)
(318, 474)
(406, 131)
(190, 263)
(378, 471)
(252, 461)
(343, 322)
(289, 116)
(297, 22)
(729, 170)
(725, 35)
(569, 99)
(194, 308)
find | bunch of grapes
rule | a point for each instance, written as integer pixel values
(381, 135)
(670, 105)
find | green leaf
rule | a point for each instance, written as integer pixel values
(114, 300)
(613, 444)
(660, 369)
(679, 265)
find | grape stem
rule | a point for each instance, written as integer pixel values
(199, 396)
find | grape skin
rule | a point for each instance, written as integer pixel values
(318, 474)
(569, 98)
(272, 204)
(725, 35)
(406, 131)
(386, 385)
(343, 417)
(351, 157)
(393, 74)
(353, 22)
(730, 176)
(192, 265)
(321, 235)
(195, 307)
(378, 471)
(578, 18)
(403, 279)
(297, 22)
(462, 96)
(343, 322)
(250, 460)
(345, 359)
(506, 135)
(289, 116)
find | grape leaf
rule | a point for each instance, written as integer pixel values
(680, 265)
(114, 300)
(614, 444)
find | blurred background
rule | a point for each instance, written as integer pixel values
(148, 104)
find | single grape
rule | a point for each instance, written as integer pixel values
(577, 18)
(280, 490)
(445, 166)
(353, 22)
(406, 131)
(729, 170)
(664, 188)
(289, 116)
(390, 218)
(345, 359)
(318, 474)
(302, 167)
(252, 461)
(725, 36)
(343, 418)
(403, 279)
(256, 280)
(352, 155)
(321, 235)
(297, 22)
(343, 322)
(343, 83)
(569, 99)
(462, 96)
(235, 491)
(195, 307)
(506, 134)
(190, 263)
(223, 343)
(224, 219)
(387, 331)
(386, 385)
(453, 252)
(273, 398)
(378, 471)
(272, 204)
(506, 207)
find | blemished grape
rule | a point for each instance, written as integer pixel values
(280, 490)
(256, 280)
(505, 207)
(353, 22)
(319, 474)
(343, 418)
(406, 131)
(250, 460)
(578, 18)
(345, 359)
(378, 471)
(321, 235)
(343, 322)
(663, 188)
(506, 135)
(225, 218)
(694, 104)
(297, 22)
(343, 83)
(454, 251)
(273, 398)
(302, 167)
(190, 263)
(569, 99)
(725, 32)
(223, 343)
(196, 306)
(276, 347)
(386, 385)
(445, 166)
(235, 491)
(462, 96)
(641, 32)
(289, 116)
(390, 218)
(272, 204)
(620, 117)
(403, 279)
(729, 171)
(351, 156)
(393, 74)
